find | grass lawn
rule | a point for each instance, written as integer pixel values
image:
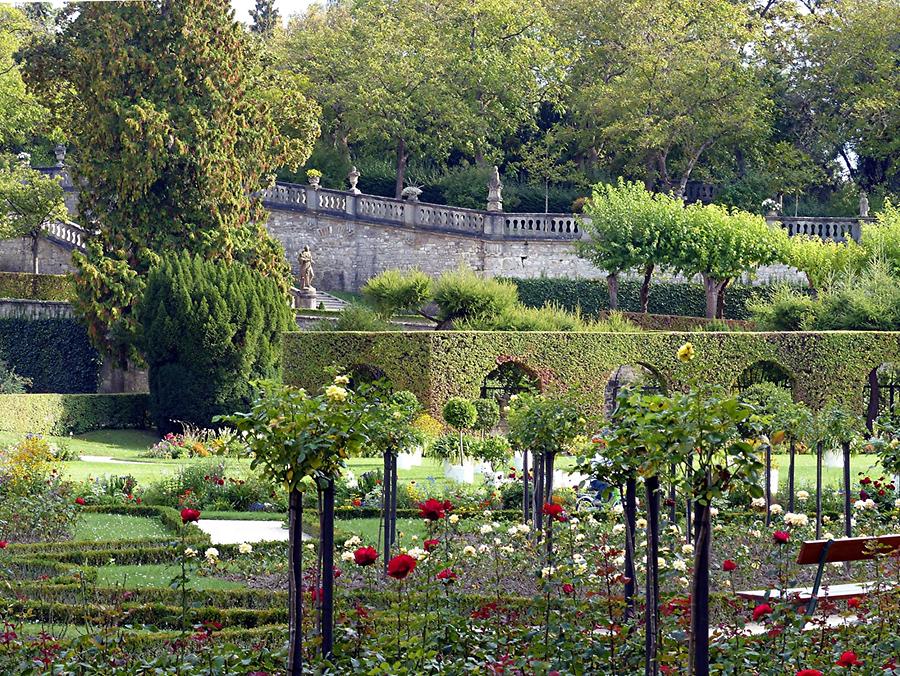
(156, 575)
(367, 529)
(94, 527)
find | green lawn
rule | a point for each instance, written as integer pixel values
(94, 527)
(367, 530)
(156, 575)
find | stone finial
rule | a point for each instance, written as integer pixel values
(60, 152)
(495, 191)
(411, 193)
(863, 204)
(353, 177)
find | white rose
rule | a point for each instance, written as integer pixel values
(802, 496)
(469, 550)
(775, 508)
(454, 518)
(618, 528)
(687, 549)
(211, 554)
(679, 565)
(190, 552)
(641, 523)
(245, 548)
(758, 503)
(486, 528)
(347, 556)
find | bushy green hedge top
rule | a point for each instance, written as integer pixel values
(827, 366)
(61, 414)
(36, 287)
(666, 298)
(55, 353)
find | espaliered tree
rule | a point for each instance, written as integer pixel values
(169, 147)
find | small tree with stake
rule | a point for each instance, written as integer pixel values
(302, 441)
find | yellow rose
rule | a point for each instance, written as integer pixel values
(685, 353)
(336, 393)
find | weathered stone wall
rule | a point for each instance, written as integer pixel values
(34, 309)
(15, 256)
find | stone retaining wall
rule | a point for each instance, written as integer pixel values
(11, 308)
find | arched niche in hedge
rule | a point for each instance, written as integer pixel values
(629, 376)
(764, 371)
(509, 378)
(881, 393)
(366, 374)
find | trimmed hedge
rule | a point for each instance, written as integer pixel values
(24, 285)
(652, 322)
(62, 414)
(55, 353)
(686, 299)
(437, 365)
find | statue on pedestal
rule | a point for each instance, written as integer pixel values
(353, 178)
(495, 191)
(307, 274)
(863, 204)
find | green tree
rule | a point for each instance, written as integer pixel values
(209, 329)
(823, 262)
(20, 111)
(265, 17)
(28, 200)
(171, 145)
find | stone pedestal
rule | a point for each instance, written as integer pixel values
(306, 298)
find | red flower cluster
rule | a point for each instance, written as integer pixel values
(568, 588)
(3, 544)
(848, 659)
(781, 537)
(401, 566)
(809, 672)
(365, 556)
(762, 610)
(553, 510)
(431, 545)
(80, 501)
(189, 515)
(434, 510)
(729, 566)
(446, 576)
(854, 602)
(356, 502)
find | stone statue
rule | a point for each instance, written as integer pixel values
(306, 269)
(353, 177)
(863, 204)
(495, 191)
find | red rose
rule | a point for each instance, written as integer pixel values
(3, 544)
(189, 515)
(357, 502)
(865, 481)
(401, 566)
(431, 545)
(432, 510)
(365, 556)
(317, 594)
(138, 501)
(762, 610)
(568, 588)
(448, 506)
(728, 565)
(553, 510)
(809, 672)
(848, 659)
(781, 537)
(854, 602)
(79, 501)
(446, 576)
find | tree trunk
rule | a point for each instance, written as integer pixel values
(295, 589)
(630, 514)
(35, 243)
(711, 286)
(720, 300)
(651, 638)
(402, 157)
(612, 283)
(699, 649)
(326, 537)
(645, 287)
(874, 399)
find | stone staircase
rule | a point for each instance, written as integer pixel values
(322, 301)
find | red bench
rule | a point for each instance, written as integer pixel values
(821, 552)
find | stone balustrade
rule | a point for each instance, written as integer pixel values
(66, 233)
(835, 229)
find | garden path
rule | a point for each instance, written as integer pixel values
(233, 531)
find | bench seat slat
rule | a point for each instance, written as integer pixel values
(835, 592)
(847, 549)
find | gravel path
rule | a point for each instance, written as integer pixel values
(231, 532)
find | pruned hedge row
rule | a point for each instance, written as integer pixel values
(55, 353)
(24, 285)
(666, 298)
(652, 322)
(437, 365)
(62, 414)
(373, 512)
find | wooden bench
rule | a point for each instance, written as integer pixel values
(821, 552)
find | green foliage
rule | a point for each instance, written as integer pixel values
(460, 413)
(265, 17)
(11, 382)
(520, 318)
(823, 262)
(54, 353)
(462, 294)
(20, 111)
(209, 329)
(394, 291)
(390, 420)
(779, 413)
(495, 450)
(169, 162)
(487, 414)
(543, 424)
(881, 240)
(786, 310)
(355, 317)
(63, 414)
(447, 447)
(36, 287)
(28, 199)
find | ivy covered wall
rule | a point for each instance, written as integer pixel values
(829, 366)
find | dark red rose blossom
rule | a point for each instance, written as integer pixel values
(729, 566)
(854, 602)
(865, 481)
(365, 556)
(762, 610)
(446, 576)
(781, 537)
(189, 515)
(448, 506)
(848, 659)
(554, 511)
(863, 495)
(401, 566)
(79, 501)
(3, 544)
(809, 672)
(432, 510)
(431, 545)
(568, 588)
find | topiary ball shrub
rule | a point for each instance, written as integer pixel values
(488, 412)
(209, 329)
(460, 413)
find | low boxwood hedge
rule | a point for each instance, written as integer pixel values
(24, 285)
(62, 414)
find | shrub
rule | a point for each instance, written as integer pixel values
(462, 294)
(447, 447)
(354, 317)
(494, 450)
(487, 414)
(209, 329)
(394, 291)
(36, 287)
(428, 427)
(11, 382)
(54, 353)
(62, 414)
(460, 413)
(787, 310)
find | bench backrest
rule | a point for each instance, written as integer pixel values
(849, 549)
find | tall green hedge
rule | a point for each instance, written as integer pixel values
(36, 287)
(209, 329)
(55, 353)
(62, 414)
(666, 298)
